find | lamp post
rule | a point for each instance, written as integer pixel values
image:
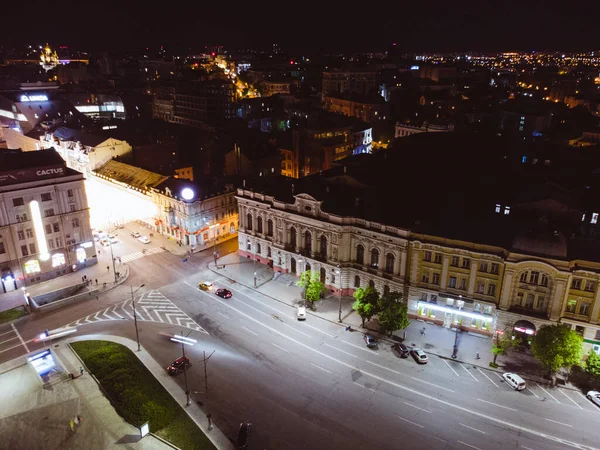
(455, 349)
(137, 334)
(254, 251)
(212, 227)
(338, 272)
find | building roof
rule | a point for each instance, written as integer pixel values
(17, 159)
(130, 175)
(87, 139)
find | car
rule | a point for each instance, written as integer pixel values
(135, 234)
(206, 285)
(144, 239)
(113, 238)
(301, 313)
(370, 340)
(514, 381)
(401, 350)
(224, 293)
(419, 356)
(178, 365)
(242, 438)
(105, 242)
(594, 396)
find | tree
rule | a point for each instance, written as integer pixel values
(592, 364)
(555, 347)
(393, 313)
(311, 284)
(365, 303)
(503, 342)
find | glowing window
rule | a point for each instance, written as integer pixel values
(32, 266)
(58, 259)
(81, 256)
(594, 218)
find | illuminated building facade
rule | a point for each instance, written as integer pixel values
(369, 109)
(358, 81)
(44, 219)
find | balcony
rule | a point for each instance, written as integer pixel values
(579, 317)
(528, 312)
(320, 257)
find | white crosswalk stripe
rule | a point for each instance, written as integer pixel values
(137, 255)
(151, 307)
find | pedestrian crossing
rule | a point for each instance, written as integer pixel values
(137, 255)
(151, 307)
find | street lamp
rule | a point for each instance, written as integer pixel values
(455, 350)
(215, 242)
(338, 272)
(254, 265)
(137, 334)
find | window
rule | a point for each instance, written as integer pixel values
(590, 286)
(452, 283)
(293, 237)
(50, 244)
(435, 279)
(579, 330)
(48, 228)
(70, 193)
(48, 212)
(433, 298)
(506, 210)
(425, 278)
(544, 280)
(466, 263)
(21, 235)
(372, 284)
(269, 227)
(483, 267)
(423, 296)
(463, 284)
(72, 207)
(438, 258)
(523, 278)
(58, 259)
(29, 232)
(356, 281)
(323, 247)
(491, 289)
(427, 257)
(58, 242)
(571, 306)
(529, 301)
(534, 277)
(583, 218)
(249, 222)
(248, 245)
(386, 290)
(449, 302)
(308, 242)
(541, 302)
(32, 266)
(258, 249)
(494, 268)
(18, 201)
(597, 335)
(584, 309)
(488, 309)
(46, 197)
(268, 252)
(56, 227)
(375, 258)
(2, 249)
(576, 283)
(498, 208)
(594, 218)
(32, 248)
(480, 287)
(24, 250)
(360, 254)
(75, 222)
(389, 263)
(259, 224)
(454, 262)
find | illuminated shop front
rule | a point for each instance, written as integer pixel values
(451, 312)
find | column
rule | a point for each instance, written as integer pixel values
(381, 262)
(402, 263)
(415, 266)
(472, 278)
(557, 300)
(313, 238)
(444, 276)
(506, 289)
(596, 307)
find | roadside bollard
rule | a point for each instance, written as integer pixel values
(209, 417)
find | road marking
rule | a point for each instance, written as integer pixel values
(10, 348)
(434, 385)
(7, 332)
(319, 367)
(526, 448)
(250, 331)
(450, 367)
(547, 393)
(219, 312)
(383, 367)
(346, 353)
(361, 348)
(298, 331)
(496, 404)
(576, 404)
(262, 303)
(498, 375)
(468, 445)
(471, 428)
(416, 407)
(358, 384)
(193, 287)
(409, 421)
(280, 348)
(320, 331)
(8, 340)
(560, 423)
(414, 391)
(491, 381)
(19, 336)
(532, 392)
(469, 373)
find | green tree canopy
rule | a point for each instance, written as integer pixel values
(502, 343)
(556, 346)
(592, 364)
(365, 303)
(313, 288)
(393, 313)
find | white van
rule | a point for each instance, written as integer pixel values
(515, 381)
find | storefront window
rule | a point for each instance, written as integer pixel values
(477, 307)
(58, 259)
(32, 266)
(488, 309)
(81, 256)
(450, 301)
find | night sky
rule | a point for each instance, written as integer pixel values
(432, 25)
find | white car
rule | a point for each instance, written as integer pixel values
(301, 313)
(594, 396)
(514, 381)
(419, 356)
(144, 239)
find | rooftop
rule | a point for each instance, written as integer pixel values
(130, 175)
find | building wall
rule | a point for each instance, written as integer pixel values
(16, 140)
(367, 112)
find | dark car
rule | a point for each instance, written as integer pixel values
(370, 341)
(401, 350)
(178, 365)
(242, 439)
(225, 293)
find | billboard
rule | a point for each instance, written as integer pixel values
(38, 173)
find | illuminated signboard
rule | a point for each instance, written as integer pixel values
(34, 98)
(18, 176)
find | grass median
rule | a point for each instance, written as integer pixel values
(138, 396)
(12, 314)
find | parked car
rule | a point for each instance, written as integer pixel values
(178, 365)
(594, 396)
(401, 350)
(514, 381)
(144, 239)
(301, 313)
(105, 242)
(135, 234)
(370, 340)
(242, 439)
(224, 293)
(419, 356)
(206, 285)
(113, 238)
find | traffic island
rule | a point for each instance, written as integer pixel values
(137, 395)
(12, 314)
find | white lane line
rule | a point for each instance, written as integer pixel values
(491, 381)
(409, 421)
(416, 407)
(346, 353)
(297, 331)
(8, 340)
(250, 331)
(220, 313)
(466, 370)
(200, 301)
(383, 367)
(496, 404)
(532, 392)
(319, 367)
(449, 404)
(450, 367)
(19, 336)
(560, 423)
(7, 332)
(498, 375)
(361, 348)
(434, 385)
(280, 348)
(262, 303)
(547, 393)
(526, 448)
(320, 331)
(471, 428)
(10, 348)
(468, 445)
(576, 404)
(358, 384)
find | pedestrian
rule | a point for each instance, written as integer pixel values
(108, 268)
(79, 419)
(76, 420)
(72, 425)
(83, 279)
(80, 371)
(477, 357)
(96, 281)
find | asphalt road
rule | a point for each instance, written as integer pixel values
(312, 385)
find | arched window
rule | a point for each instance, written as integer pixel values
(386, 290)
(372, 284)
(232, 227)
(248, 245)
(389, 263)
(308, 242)
(356, 281)
(323, 247)
(269, 227)
(259, 224)
(360, 254)
(258, 248)
(375, 258)
(249, 222)
(293, 237)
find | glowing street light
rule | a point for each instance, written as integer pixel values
(38, 226)
(187, 194)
